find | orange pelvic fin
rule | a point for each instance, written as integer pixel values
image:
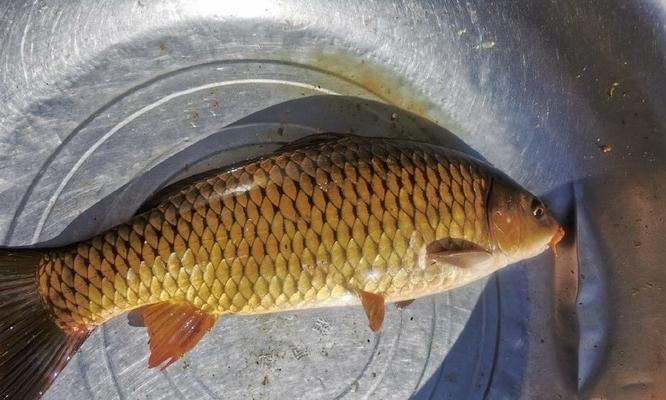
(135, 318)
(402, 304)
(174, 329)
(374, 308)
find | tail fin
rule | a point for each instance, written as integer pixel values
(33, 349)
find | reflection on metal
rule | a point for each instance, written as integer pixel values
(104, 103)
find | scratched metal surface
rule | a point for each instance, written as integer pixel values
(102, 102)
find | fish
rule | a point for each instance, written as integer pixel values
(328, 220)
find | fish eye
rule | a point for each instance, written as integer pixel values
(537, 208)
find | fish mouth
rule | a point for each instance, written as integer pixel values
(557, 237)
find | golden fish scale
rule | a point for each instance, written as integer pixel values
(299, 229)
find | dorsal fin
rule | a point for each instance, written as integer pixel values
(312, 140)
(161, 195)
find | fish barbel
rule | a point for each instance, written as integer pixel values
(325, 221)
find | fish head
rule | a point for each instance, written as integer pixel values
(521, 226)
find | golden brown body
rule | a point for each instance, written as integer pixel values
(305, 227)
(330, 220)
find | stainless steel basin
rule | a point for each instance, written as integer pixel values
(103, 103)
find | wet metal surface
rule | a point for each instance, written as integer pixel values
(102, 103)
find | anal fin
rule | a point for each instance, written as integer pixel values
(374, 308)
(174, 329)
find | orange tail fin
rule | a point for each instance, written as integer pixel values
(33, 349)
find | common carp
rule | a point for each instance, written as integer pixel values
(329, 220)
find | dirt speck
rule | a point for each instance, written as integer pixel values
(280, 131)
(194, 116)
(164, 47)
(265, 380)
(605, 148)
(186, 365)
(488, 44)
(215, 104)
(354, 386)
(394, 117)
(612, 88)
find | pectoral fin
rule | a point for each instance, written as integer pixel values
(174, 329)
(374, 308)
(457, 252)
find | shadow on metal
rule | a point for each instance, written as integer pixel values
(488, 358)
